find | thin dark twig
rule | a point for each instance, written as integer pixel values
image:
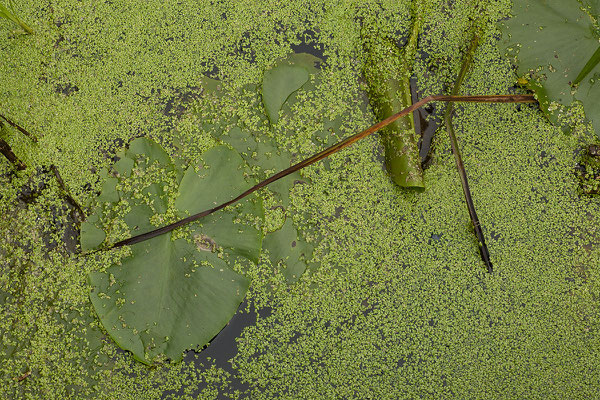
(10, 156)
(23, 377)
(327, 152)
(483, 250)
(20, 129)
(63, 187)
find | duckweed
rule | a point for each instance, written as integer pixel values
(400, 306)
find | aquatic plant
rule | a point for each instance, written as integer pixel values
(178, 289)
(555, 46)
(5, 148)
(9, 13)
(167, 325)
(387, 71)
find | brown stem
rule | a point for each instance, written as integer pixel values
(483, 250)
(8, 153)
(327, 152)
(63, 187)
(20, 129)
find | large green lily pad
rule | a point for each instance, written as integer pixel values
(176, 292)
(555, 40)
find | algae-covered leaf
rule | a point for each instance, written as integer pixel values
(263, 152)
(387, 70)
(222, 179)
(178, 290)
(557, 42)
(284, 79)
(288, 250)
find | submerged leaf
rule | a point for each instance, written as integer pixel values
(174, 293)
(557, 43)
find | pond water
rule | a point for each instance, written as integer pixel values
(398, 303)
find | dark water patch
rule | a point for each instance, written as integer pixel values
(223, 347)
(66, 89)
(34, 187)
(178, 104)
(59, 219)
(310, 44)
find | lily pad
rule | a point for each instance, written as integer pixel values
(284, 79)
(556, 40)
(288, 251)
(178, 290)
(287, 247)
(167, 297)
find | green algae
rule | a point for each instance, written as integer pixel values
(400, 306)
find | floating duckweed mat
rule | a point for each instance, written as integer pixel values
(400, 305)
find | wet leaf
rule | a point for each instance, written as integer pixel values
(176, 292)
(287, 247)
(387, 71)
(557, 43)
(223, 169)
(92, 235)
(284, 79)
(165, 299)
(288, 250)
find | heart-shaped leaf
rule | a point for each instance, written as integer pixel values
(176, 291)
(557, 41)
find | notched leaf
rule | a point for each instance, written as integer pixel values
(173, 294)
(557, 44)
(284, 79)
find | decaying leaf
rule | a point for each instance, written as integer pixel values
(387, 71)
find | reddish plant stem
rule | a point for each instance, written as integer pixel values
(325, 153)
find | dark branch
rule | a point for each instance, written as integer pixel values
(483, 250)
(20, 129)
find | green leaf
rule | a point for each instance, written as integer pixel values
(288, 250)
(259, 150)
(223, 169)
(557, 43)
(387, 70)
(92, 234)
(589, 66)
(164, 299)
(284, 79)
(178, 290)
